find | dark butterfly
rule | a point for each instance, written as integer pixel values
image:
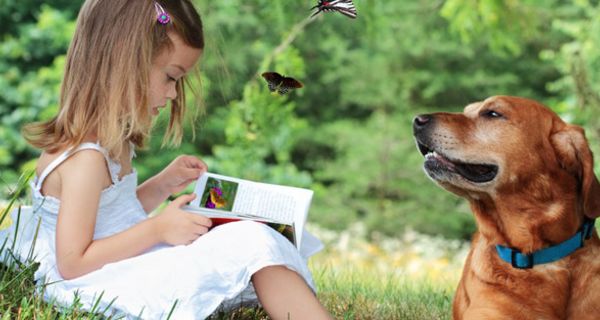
(280, 83)
(345, 7)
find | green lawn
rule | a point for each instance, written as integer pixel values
(347, 294)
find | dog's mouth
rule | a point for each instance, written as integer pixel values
(474, 172)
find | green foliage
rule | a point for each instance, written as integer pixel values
(504, 25)
(15, 14)
(31, 66)
(578, 59)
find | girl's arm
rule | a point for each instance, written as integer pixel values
(174, 178)
(82, 178)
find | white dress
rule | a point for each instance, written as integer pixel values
(196, 279)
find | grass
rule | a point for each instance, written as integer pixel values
(347, 294)
(360, 294)
(356, 281)
(412, 278)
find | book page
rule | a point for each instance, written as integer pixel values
(263, 202)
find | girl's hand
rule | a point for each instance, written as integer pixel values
(177, 227)
(173, 179)
(181, 172)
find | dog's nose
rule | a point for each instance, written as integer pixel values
(421, 121)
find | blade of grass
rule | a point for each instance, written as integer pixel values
(172, 309)
(21, 185)
(12, 248)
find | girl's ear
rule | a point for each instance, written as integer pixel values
(574, 155)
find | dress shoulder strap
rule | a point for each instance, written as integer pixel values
(65, 155)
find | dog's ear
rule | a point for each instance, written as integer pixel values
(574, 154)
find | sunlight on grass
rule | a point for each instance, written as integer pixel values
(361, 294)
(408, 278)
(414, 255)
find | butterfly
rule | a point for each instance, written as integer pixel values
(345, 7)
(280, 83)
(215, 199)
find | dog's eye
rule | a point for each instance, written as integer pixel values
(491, 114)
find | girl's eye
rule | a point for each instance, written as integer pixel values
(492, 114)
(169, 78)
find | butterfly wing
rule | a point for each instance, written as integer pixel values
(345, 7)
(292, 83)
(215, 198)
(283, 90)
(349, 14)
(274, 79)
(280, 83)
(289, 83)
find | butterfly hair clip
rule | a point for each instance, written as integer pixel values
(345, 7)
(161, 14)
(280, 83)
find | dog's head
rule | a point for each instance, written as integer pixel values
(504, 146)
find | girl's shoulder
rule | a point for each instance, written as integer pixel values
(68, 154)
(67, 163)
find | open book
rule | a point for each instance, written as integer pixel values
(224, 199)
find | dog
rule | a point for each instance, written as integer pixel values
(529, 180)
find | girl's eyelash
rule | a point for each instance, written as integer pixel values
(171, 78)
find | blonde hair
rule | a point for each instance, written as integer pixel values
(106, 79)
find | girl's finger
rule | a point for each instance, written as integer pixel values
(194, 162)
(203, 221)
(192, 173)
(182, 200)
(200, 231)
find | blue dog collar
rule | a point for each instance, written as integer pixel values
(550, 254)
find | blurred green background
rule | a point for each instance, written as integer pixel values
(347, 134)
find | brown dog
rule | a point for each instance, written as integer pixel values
(529, 179)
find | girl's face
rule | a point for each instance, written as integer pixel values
(167, 69)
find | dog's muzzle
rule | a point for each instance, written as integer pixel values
(438, 165)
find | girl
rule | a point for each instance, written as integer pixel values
(95, 241)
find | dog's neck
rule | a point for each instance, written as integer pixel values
(526, 225)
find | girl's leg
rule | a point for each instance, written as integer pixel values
(285, 295)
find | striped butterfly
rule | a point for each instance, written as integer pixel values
(345, 7)
(280, 83)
